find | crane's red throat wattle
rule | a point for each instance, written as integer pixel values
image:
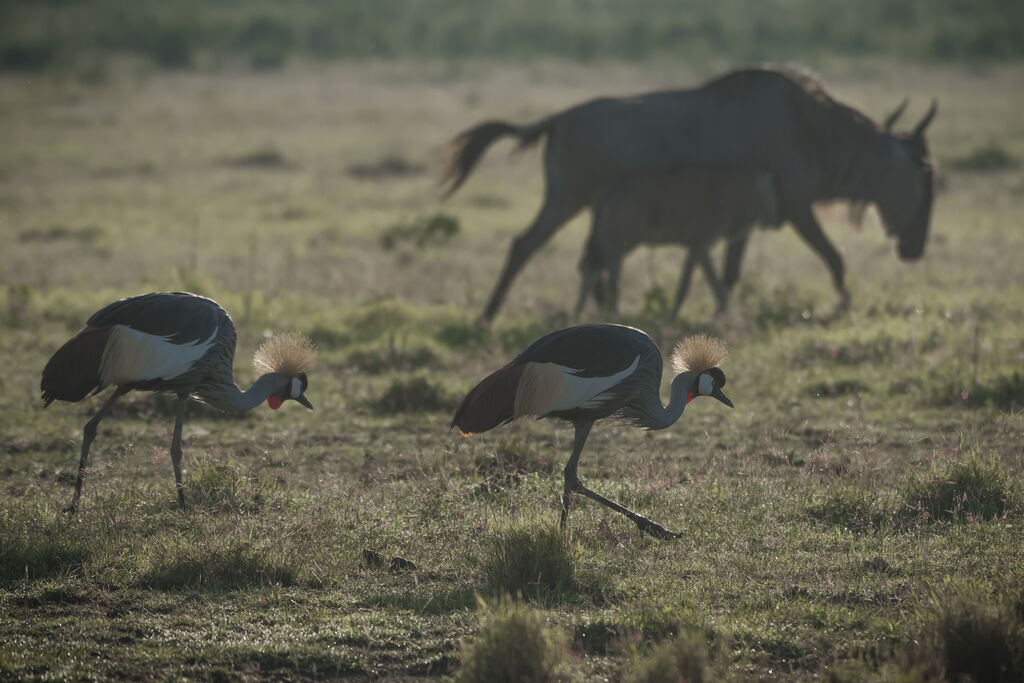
(274, 401)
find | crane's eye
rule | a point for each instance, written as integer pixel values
(296, 387)
(705, 385)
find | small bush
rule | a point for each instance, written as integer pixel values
(535, 562)
(375, 359)
(388, 167)
(989, 158)
(964, 491)
(413, 395)
(196, 564)
(438, 229)
(682, 658)
(37, 548)
(514, 645)
(976, 640)
(223, 487)
(850, 508)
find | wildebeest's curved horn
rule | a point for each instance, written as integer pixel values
(891, 118)
(923, 123)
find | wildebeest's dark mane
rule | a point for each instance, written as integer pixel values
(808, 83)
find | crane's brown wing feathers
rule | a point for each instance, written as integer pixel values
(593, 350)
(490, 403)
(180, 316)
(74, 370)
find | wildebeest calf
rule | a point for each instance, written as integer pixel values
(694, 207)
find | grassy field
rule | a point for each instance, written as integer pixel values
(857, 515)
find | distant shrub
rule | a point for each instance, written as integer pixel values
(266, 41)
(170, 48)
(989, 158)
(377, 358)
(438, 229)
(223, 487)
(851, 508)
(387, 167)
(682, 658)
(413, 395)
(964, 491)
(190, 563)
(972, 637)
(38, 548)
(534, 562)
(265, 157)
(513, 645)
(27, 56)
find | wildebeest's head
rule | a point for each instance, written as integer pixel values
(905, 197)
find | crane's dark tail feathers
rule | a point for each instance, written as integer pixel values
(461, 153)
(490, 403)
(74, 370)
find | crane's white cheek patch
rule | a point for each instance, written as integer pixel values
(705, 385)
(133, 356)
(296, 387)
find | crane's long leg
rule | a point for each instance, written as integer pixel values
(573, 484)
(179, 419)
(89, 433)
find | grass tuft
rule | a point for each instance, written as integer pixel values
(979, 641)
(682, 658)
(992, 157)
(514, 644)
(851, 508)
(965, 491)
(413, 395)
(223, 487)
(39, 546)
(536, 562)
(237, 564)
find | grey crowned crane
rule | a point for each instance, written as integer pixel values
(590, 372)
(170, 342)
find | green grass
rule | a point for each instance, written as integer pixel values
(838, 524)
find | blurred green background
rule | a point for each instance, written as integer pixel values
(266, 34)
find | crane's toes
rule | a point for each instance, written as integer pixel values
(655, 529)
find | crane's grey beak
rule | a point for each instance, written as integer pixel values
(717, 393)
(305, 401)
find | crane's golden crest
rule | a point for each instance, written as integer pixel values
(698, 353)
(288, 354)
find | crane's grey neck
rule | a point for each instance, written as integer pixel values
(230, 398)
(663, 416)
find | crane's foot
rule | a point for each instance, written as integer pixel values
(655, 529)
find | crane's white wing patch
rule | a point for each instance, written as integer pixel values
(133, 356)
(549, 387)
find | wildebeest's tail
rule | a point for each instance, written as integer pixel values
(462, 152)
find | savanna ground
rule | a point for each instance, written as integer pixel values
(858, 514)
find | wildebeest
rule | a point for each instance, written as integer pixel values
(694, 207)
(778, 120)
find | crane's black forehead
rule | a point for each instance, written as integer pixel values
(182, 317)
(718, 376)
(597, 350)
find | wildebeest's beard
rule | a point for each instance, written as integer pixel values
(911, 240)
(906, 215)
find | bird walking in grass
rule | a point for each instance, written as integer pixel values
(588, 373)
(170, 342)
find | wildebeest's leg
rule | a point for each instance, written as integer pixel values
(807, 225)
(684, 279)
(733, 257)
(590, 268)
(89, 433)
(721, 296)
(611, 291)
(560, 204)
(588, 284)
